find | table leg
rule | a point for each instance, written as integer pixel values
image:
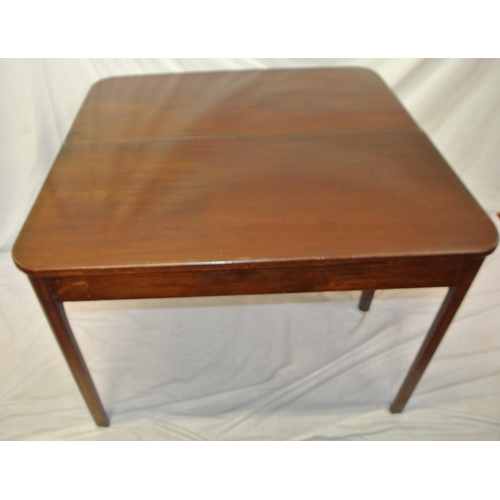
(443, 319)
(366, 299)
(56, 316)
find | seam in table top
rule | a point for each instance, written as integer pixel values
(242, 136)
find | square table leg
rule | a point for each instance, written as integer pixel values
(56, 316)
(443, 319)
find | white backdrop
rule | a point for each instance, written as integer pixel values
(301, 366)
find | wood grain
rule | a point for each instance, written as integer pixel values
(241, 103)
(317, 197)
(234, 280)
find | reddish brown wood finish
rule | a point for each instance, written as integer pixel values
(238, 280)
(235, 201)
(246, 183)
(56, 316)
(238, 103)
(443, 319)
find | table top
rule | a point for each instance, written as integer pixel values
(247, 168)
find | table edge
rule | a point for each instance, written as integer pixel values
(242, 264)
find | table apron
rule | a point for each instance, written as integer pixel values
(348, 275)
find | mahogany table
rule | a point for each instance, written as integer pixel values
(248, 182)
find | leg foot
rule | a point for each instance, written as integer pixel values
(366, 300)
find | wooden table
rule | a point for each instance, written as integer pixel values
(248, 182)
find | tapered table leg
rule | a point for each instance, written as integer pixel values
(366, 299)
(56, 316)
(443, 319)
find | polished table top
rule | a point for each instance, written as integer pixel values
(250, 168)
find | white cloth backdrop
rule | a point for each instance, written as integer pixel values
(299, 366)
